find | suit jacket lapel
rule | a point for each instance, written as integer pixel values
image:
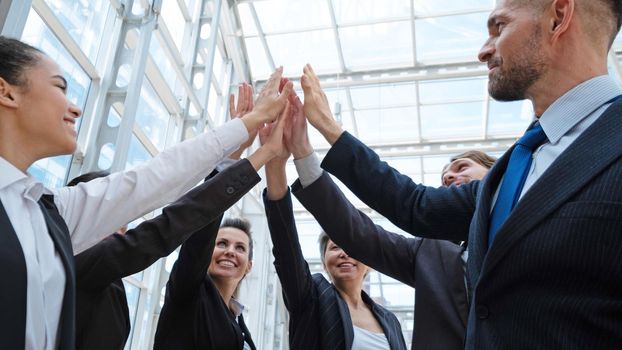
(548, 193)
(478, 232)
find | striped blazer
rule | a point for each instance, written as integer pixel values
(319, 317)
(552, 279)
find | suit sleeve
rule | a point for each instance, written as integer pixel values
(122, 255)
(387, 252)
(290, 265)
(439, 213)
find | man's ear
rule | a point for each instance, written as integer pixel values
(7, 94)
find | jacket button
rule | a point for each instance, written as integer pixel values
(230, 190)
(244, 179)
(482, 312)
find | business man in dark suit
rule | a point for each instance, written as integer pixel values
(545, 244)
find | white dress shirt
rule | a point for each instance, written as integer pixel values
(94, 209)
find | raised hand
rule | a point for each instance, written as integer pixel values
(245, 101)
(316, 106)
(295, 135)
(270, 103)
(244, 106)
(271, 136)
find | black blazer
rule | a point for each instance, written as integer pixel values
(553, 276)
(434, 268)
(194, 315)
(13, 298)
(102, 313)
(319, 317)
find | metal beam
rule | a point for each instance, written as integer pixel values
(13, 16)
(262, 37)
(448, 70)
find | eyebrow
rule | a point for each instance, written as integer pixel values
(61, 78)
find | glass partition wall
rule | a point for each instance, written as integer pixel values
(401, 75)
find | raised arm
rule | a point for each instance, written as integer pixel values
(92, 210)
(289, 262)
(389, 253)
(443, 213)
(122, 255)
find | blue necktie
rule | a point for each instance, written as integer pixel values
(514, 178)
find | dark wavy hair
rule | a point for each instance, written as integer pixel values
(16, 57)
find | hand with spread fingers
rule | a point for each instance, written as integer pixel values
(316, 106)
(244, 106)
(269, 104)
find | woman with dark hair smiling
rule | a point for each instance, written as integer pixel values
(44, 228)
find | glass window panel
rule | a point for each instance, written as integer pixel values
(357, 10)
(381, 96)
(409, 166)
(246, 20)
(260, 67)
(370, 46)
(52, 172)
(152, 116)
(174, 20)
(451, 120)
(136, 154)
(426, 7)
(435, 91)
(432, 179)
(133, 294)
(388, 125)
(393, 295)
(292, 14)
(84, 20)
(293, 51)
(509, 118)
(435, 164)
(165, 66)
(451, 37)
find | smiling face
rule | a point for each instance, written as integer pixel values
(43, 119)
(231, 255)
(513, 51)
(463, 170)
(341, 267)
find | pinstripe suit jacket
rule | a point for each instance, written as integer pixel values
(319, 317)
(433, 267)
(553, 276)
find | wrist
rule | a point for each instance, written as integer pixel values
(302, 152)
(330, 129)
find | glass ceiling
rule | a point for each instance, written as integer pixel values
(401, 75)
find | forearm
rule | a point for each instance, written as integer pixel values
(356, 233)
(276, 179)
(289, 262)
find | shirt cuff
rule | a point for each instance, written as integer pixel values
(231, 135)
(225, 163)
(308, 169)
